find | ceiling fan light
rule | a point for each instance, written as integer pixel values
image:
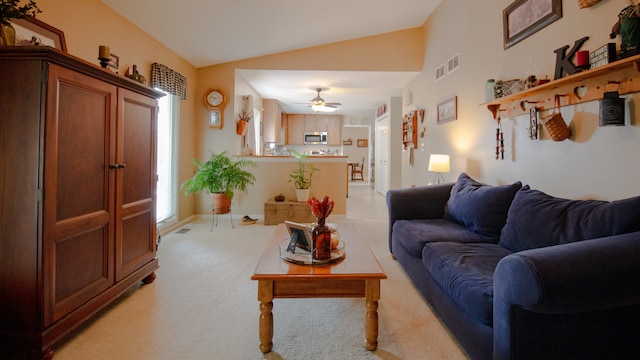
(322, 108)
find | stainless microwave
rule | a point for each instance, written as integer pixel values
(315, 138)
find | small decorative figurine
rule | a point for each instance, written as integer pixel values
(628, 26)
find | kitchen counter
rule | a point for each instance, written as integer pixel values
(272, 178)
(308, 156)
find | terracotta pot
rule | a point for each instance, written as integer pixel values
(241, 128)
(221, 203)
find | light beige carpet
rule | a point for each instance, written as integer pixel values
(203, 304)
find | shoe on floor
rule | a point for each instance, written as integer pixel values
(246, 220)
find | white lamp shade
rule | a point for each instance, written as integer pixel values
(439, 163)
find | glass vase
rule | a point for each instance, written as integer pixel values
(321, 236)
(7, 34)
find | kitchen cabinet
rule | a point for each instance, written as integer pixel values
(272, 121)
(334, 130)
(78, 195)
(298, 124)
(295, 126)
(315, 123)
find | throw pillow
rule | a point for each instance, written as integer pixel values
(479, 207)
(536, 220)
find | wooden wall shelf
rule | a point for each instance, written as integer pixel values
(410, 129)
(622, 76)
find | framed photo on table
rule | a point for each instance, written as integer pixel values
(31, 31)
(300, 236)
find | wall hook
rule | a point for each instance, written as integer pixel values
(610, 82)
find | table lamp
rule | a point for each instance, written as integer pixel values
(440, 164)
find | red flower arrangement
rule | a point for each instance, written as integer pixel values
(321, 209)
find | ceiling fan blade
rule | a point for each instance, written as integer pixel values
(332, 104)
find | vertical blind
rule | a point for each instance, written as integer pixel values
(164, 78)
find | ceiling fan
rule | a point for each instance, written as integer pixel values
(318, 103)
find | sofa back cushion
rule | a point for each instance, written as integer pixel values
(536, 220)
(480, 208)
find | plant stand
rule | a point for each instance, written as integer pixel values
(214, 220)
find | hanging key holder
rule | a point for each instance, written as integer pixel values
(612, 107)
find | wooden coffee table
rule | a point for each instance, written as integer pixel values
(357, 275)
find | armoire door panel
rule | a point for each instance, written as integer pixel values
(82, 270)
(138, 143)
(82, 168)
(139, 248)
(135, 240)
(79, 190)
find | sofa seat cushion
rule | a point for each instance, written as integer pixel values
(480, 208)
(413, 234)
(465, 272)
(537, 220)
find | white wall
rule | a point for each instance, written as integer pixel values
(596, 162)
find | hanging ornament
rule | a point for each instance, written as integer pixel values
(533, 123)
(499, 140)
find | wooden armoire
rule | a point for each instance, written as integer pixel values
(77, 194)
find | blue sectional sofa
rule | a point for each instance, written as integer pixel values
(515, 273)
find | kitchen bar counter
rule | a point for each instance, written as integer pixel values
(272, 178)
(291, 157)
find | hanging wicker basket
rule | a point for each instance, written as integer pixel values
(587, 3)
(241, 127)
(555, 125)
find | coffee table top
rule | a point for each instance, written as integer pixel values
(358, 263)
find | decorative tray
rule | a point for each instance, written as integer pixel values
(301, 256)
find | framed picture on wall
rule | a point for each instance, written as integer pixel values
(524, 18)
(362, 143)
(448, 110)
(215, 119)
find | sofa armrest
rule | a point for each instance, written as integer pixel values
(567, 286)
(422, 202)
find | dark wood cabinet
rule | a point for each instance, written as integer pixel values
(77, 188)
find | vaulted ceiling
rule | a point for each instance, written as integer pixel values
(209, 32)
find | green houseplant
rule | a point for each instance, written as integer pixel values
(302, 176)
(220, 176)
(11, 9)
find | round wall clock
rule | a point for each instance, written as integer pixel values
(408, 97)
(214, 98)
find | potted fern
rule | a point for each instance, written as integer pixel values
(302, 176)
(221, 177)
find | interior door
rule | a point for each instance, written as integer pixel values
(78, 190)
(382, 155)
(135, 182)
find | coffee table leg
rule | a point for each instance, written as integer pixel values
(372, 290)
(265, 296)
